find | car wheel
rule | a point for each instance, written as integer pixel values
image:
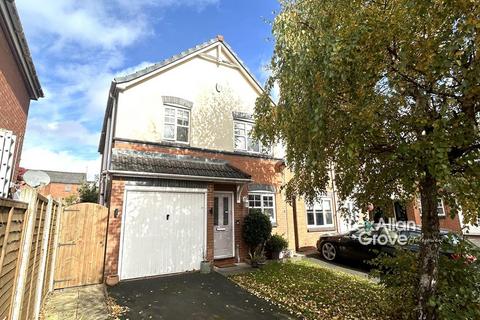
(329, 252)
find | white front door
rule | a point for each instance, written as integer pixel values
(223, 225)
(163, 232)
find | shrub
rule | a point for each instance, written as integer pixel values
(458, 293)
(88, 191)
(276, 244)
(256, 229)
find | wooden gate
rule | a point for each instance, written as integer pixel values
(81, 245)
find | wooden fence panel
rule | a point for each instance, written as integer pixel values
(50, 250)
(34, 263)
(12, 216)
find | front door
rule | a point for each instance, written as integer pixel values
(223, 225)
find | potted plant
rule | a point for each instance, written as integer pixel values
(275, 245)
(257, 258)
(256, 231)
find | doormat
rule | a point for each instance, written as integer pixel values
(224, 264)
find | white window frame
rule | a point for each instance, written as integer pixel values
(262, 194)
(315, 207)
(175, 123)
(248, 127)
(440, 205)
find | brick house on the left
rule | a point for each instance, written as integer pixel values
(18, 85)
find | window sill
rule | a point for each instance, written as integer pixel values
(274, 225)
(259, 154)
(320, 229)
(173, 143)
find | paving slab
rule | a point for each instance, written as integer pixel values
(238, 268)
(80, 303)
(191, 296)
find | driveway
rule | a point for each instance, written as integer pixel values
(190, 296)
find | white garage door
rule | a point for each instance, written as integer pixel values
(163, 232)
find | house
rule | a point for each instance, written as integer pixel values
(179, 169)
(63, 184)
(18, 85)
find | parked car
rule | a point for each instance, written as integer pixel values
(362, 245)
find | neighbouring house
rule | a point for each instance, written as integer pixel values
(414, 213)
(18, 85)
(63, 184)
(179, 169)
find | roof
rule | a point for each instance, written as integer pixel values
(161, 64)
(13, 30)
(66, 177)
(182, 165)
(183, 54)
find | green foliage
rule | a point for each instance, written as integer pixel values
(387, 91)
(88, 191)
(257, 256)
(458, 295)
(256, 229)
(71, 199)
(276, 244)
(310, 291)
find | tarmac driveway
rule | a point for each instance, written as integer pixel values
(190, 296)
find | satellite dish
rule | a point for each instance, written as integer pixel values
(36, 178)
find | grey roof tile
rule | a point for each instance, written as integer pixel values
(66, 177)
(152, 162)
(179, 56)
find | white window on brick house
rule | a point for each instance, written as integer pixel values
(176, 124)
(320, 214)
(68, 187)
(264, 202)
(244, 141)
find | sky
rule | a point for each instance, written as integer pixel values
(78, 47)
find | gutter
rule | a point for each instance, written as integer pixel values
(14, 32)
(135, 174)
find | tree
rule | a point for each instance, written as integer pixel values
(386, 92)
(88, 191)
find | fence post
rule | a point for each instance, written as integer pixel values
(28, 195)
(43, 260)
(58, 215)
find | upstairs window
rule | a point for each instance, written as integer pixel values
(244, 141)
(176, 125)
(320, 214)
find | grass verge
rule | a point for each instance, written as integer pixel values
(310, 291)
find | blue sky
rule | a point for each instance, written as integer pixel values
(79, 46)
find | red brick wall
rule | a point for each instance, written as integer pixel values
(114, 224)
(14, 98)
(58, 190)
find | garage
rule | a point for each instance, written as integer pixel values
(163, 231)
